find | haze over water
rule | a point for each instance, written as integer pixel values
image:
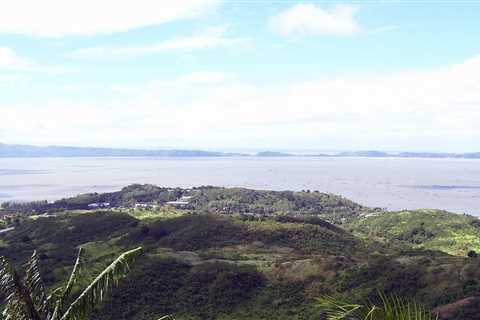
(395, 184)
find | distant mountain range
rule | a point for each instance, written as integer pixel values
(28, 151)
(379, 154)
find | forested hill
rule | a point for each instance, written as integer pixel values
(234, 253)
(208, 199)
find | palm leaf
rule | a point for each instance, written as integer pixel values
(54, 299)
(74, 275)
(389, 308)
(34, 284)
(396, 308)
(102, 285)
(65, 292)
(18, 300)
(13, 303)
(338, 309)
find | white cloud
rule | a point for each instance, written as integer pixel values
(312, 19)
(13, 62)
(428, 109)
(206, 39)
(384, 29)
(205, 77)
(9, 59)
(11, 78)
(54, 18)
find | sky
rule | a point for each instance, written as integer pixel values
(241, 75)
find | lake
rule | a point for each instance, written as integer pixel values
(393, 183)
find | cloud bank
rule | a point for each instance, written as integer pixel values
(214, 37)
(437, 108)
(307, 19)
(56, 18)
(15, 64)
(10, 60)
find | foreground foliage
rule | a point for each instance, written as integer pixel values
(388, 308)
(27, 299)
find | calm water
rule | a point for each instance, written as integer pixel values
(395, 184)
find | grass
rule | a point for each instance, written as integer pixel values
(427, 229)
(164, 212)
(192, 257)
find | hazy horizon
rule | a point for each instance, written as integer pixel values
(245, 150)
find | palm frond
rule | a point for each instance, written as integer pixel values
(13, 303)
(337, 309)
(18, 301)
(74, 275)
(102, 285)
(64, 293)
(54, 299)
(396, 308)
(388, 308)
(34, 284)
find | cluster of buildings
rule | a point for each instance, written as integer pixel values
(181, 203)
(6, 214)
(101, 205)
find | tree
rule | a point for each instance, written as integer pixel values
(27, 299)
(389, 308)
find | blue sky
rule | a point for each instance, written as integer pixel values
(212, 74)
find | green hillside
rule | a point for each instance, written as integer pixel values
(218, 260)
(209, 254)
(429, 229)
(209, 199)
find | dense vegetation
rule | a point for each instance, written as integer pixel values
(28, 298)
(217, 260)
(211, 200)
(429, 229)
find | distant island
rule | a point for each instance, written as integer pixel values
(29, 151)
(273, 154)
(380, 154)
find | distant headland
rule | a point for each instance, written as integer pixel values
(30, 151)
